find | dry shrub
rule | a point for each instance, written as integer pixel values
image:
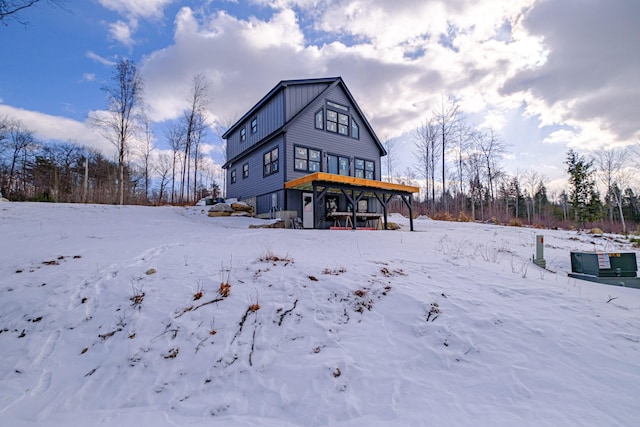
(360, 292)
(515, 222)
(462, 217)
(197, 295)
(254, 307)
(137, 297)
(442, 216)
(225, 289)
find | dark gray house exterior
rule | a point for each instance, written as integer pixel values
(306, 149)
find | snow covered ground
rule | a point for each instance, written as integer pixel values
(115, 316)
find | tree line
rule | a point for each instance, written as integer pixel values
(460, 171)
(139, 173)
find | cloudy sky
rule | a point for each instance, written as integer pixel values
(547, 75)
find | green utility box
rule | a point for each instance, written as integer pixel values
(606, 267)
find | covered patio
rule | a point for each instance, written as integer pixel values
(355, 190)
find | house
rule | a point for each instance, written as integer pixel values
(307, 151)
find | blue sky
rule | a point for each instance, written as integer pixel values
(547, 75)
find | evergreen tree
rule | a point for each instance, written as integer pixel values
(583, 195)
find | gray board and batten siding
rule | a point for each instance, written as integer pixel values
(303, 133)
(272, 112)
(256, 183)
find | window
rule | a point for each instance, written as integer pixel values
(307, 159)
(343, 124)
(338, 165)
(245, 171)
(243, 134)
(364, 169)
(358, 166)
(254, 125)
(332, 121)
(369, 170)
(271, 164)
(320, 119)
(337, 118)
(343, 166)
(233, 176)
(355, 130)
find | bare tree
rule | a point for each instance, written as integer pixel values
(13, 9)
(534, 181)
(473, 166)
(445, 116)
(463, 141)
(145, 155)
(194, 125)
(175, 135)
(611, 165)
(390, 160)
(121, 122)
(162, 167)
(198, 137)
(492, 149)
(16, 142)
(424, 138)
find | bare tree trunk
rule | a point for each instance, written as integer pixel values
(194, 123)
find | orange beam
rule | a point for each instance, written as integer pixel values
(349, 180)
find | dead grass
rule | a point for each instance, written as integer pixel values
(269, 256)
(224, 290)
(334, 271)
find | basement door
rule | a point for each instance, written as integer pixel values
(307, 210)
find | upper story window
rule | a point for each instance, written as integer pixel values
(364, 169)
(307, 159)
(233, 176)
(320, 119)
(271, 163)
(343, 124)
(243, 134)
(332, 121)
(337, 120)
(245, 171)
(254, 125)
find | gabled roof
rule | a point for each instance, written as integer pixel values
(332, 81)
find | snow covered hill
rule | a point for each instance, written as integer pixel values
(136, 316)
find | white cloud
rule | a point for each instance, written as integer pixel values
(123, 31)
(591, 72)
(48, 127)
(100, 59)
(88, 77)
(137, 8)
